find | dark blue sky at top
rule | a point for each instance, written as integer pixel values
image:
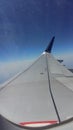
(26, 26)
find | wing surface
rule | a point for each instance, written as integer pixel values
(42, 94)
(27, 98)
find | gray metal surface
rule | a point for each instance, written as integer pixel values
(61, 81)
(38, 94)
(6, 125)
(27, 98)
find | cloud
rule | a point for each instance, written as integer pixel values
(68, 59)
(9, 69)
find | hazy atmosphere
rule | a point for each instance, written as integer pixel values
(26, 27)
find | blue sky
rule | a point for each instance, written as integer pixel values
(26, 26)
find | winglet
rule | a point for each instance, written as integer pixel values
(49, 48)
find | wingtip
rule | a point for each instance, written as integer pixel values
(49, 48)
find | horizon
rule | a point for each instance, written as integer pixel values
(26, 27)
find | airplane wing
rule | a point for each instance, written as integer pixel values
(39, 96)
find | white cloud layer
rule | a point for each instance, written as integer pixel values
(9, 69)
(68, 59)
